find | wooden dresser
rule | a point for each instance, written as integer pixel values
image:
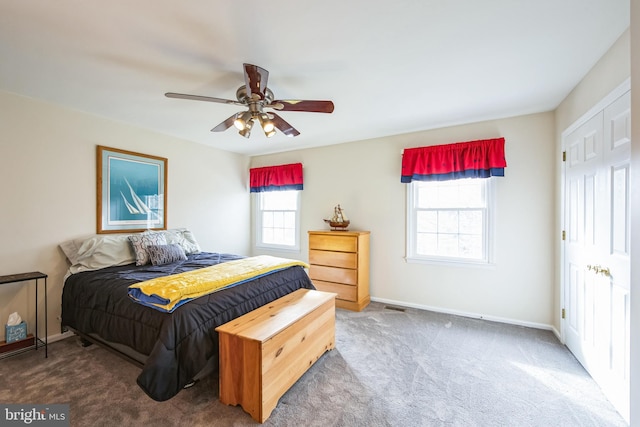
(339, 263)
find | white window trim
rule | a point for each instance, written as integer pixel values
(411, 257)
(257, 215)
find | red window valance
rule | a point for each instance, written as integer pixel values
(276, 178)
(474, 159)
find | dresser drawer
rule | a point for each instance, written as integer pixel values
(345, 292)
(333, 243)
(334, 259)
(333, 274)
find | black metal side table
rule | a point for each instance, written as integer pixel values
(16, 347)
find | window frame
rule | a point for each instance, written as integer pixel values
(488, 234)
(257, 203)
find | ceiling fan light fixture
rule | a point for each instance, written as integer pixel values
(246, 132)
(242, 120)
(267, 125)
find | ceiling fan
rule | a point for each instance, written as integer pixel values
(255, 95)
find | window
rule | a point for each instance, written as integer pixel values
(449, 220)
(276, 216)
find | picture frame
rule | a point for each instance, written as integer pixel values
(131, 191)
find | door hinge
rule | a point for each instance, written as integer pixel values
(563, 313)
(564, 235)
(564, 156)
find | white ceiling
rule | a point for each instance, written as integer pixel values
(390, 67)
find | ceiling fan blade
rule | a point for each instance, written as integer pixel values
(283, 126)
(302, 105)
(255, 79)
(224, 125)
(202, 98)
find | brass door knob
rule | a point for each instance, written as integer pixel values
(598, 269)
(605, 271)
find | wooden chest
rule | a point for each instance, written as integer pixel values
(339, 262)
(264, 352)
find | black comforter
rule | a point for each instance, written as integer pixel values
(178, 344)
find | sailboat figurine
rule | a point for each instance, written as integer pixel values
(339, 220)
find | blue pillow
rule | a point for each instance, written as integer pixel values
(165, 254)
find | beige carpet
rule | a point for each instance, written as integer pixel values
(389, 368)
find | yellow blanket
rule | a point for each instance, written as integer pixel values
(168, 292)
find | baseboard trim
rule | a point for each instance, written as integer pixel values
(468, 314)
(58, 337)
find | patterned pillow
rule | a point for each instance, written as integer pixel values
(184, 238)
(165, 254)
(139, 242)
(190, 243)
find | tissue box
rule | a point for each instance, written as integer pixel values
(15, 332)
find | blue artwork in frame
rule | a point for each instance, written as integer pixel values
(132, 193)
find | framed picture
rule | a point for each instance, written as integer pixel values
(132, 191)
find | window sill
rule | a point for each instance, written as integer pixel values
(277, 248)
(450, 262)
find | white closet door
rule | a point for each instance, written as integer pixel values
(596, 258)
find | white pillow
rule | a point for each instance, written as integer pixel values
(99, 251)
(71, 249)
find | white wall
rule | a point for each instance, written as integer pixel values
(611, 70)
(48, 192)
(364, 177)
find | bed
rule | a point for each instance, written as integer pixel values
(173, 348)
